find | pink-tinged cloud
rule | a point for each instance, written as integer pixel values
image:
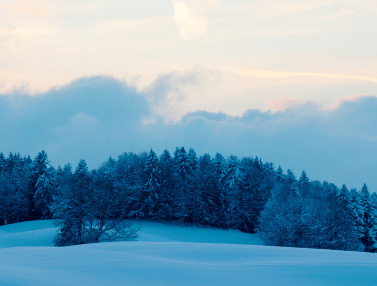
(356, 97)
(284, 103)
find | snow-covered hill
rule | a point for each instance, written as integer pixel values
(41, 233)
(160, 259)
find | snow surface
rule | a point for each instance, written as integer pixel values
(148, 262)
(41, 233)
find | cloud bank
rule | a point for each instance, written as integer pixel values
(93, 118)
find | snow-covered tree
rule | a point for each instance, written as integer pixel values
(2, 162)
(91, 211)
(356, 204)
(303, 183)
(166, 178)
(152, 172)
(280, 173)
(150, 195)
(71, 212)
(368, 237)
(231, 178)
(184, 195)
(346, 236)
(45, 190)
(40, 195)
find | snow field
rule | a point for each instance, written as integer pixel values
(148, 262)
(42, 232)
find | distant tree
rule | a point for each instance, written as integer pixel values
(209, 193)
(13, 188)
(368, 237)
(150, 197)
(346, 236)
(304, 183)
(166, 178)
(41, 186)
(184, 195)
(356, 205)
(2, 162)
(280, 173)
(231, 178)
(279, 222)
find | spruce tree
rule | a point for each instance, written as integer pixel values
(209, 191)
(304, 183)
(277, 222)
(39, 200)
(150, 198)
(2, 162)
(71, 212)
(231, 178)
(346, 236)
(43, 196)
(166, 178)
(368, 237)
(184, 196)
(356, 204)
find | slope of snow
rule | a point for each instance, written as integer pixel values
(42, 232)
(177, 263)
(158, 259)
(159, 232)
(30, 233)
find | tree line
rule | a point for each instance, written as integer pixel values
(245, 194)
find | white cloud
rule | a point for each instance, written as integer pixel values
(189, 23)
(96, 117)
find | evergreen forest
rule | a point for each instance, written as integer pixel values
(243, 194)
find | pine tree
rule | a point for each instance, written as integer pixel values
(166, 178)
(209, 197)
(280, 173)
(193, 160)
(39, 200)
(304, 183)
(368, 237)
(43, 196)
(356, 204)
(280, 223)
(219, 166)
(277, 220)
(346, 236)
(13, 186)
(71, 212)
(195, 199)
(150, 198)
(151, 168)
(231, 178)
(290, 175)
(218, 162)
(2, 162)
(184, 196)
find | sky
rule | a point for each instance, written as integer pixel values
(293, 82)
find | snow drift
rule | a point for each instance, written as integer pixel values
(176, 263)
